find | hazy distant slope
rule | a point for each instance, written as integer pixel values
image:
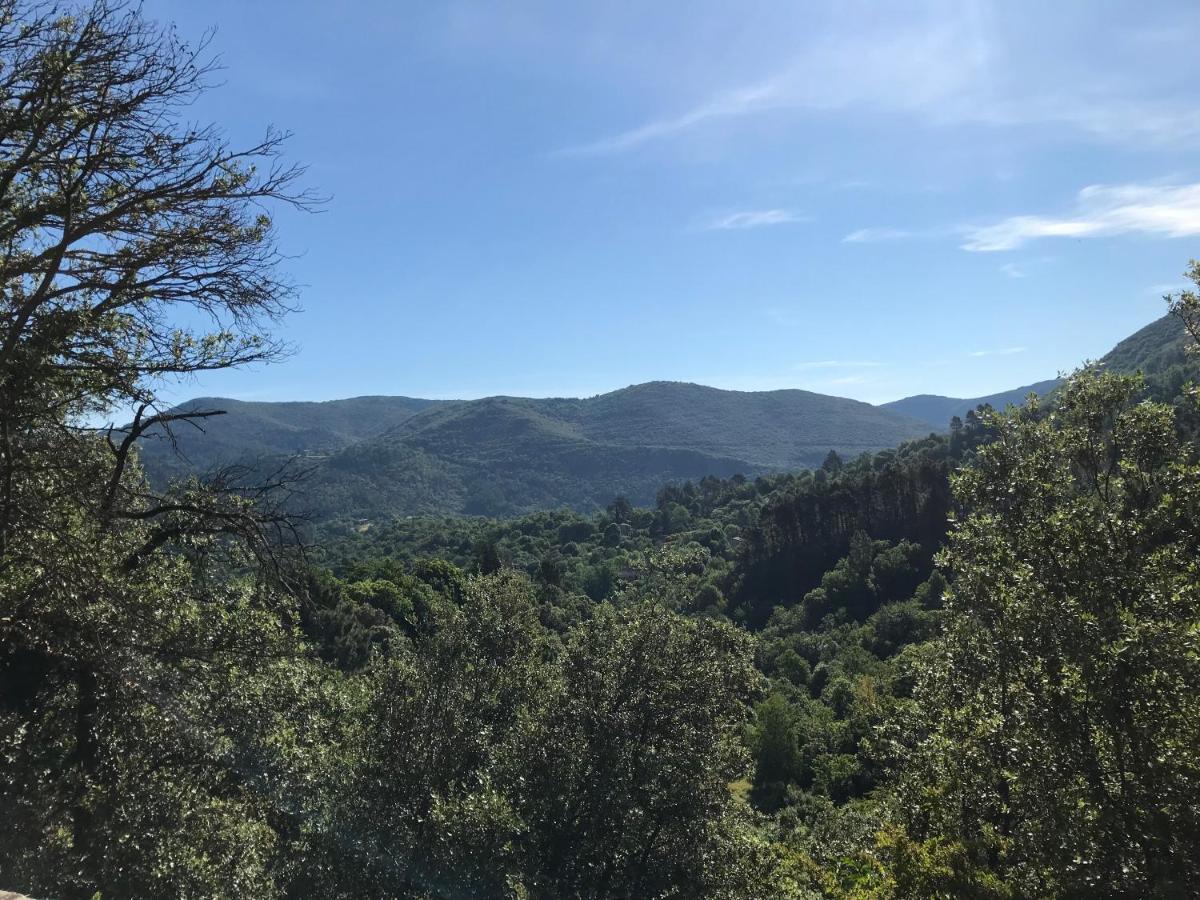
(937, 411)
(1157, 351)
(250, 430)
(378, 456)
(505, 455)
(773, 429)
(497, 459)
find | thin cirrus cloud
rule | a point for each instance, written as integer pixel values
(899, 68)
(955, 64)
(877, 235)
(728, 104)
(1003, 351)
(1155, 210)
(755, 218)
(1101, 211)
(850, 379)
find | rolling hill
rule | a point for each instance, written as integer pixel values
(1152, 350)
(502, 455)
(937, 411)
(250, 430)
(1157, 351)
(374, 457)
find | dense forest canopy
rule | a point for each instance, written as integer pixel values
(964, 666)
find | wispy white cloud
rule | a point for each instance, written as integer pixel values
(1003, 351)
(1101, 211)
(1160, 290)
(851, 379)
(918, 66)
(1012, 270)
(755, 218)
(952, 63)
(1109, 118)
(876, 235)
(740, 102)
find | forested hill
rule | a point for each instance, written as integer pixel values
(374, 457)
(1157, 351)
(937, 411)
(249, 430)
(1152, 350)
(502, 455)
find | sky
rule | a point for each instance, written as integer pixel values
(863, 199)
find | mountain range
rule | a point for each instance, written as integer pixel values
(937, 411)
(1157, 351)
(374, 457)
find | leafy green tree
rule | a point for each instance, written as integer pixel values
(1063, 722)
(832, 463)
(429, 807)
(140, 629)
(628, 772)
(620, 510)
(777, 761)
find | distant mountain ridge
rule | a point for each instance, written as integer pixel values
(251, 430)
(498, 455)
(374, 457)
(937, 411)
(1157, 351)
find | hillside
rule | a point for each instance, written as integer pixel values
(506, 455)
(1151, 350)
(773, 429)
(937, 411)
(381, 456)
(249, 430)
(1157, 351)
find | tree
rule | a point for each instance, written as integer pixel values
(777, 760)
(620, 510)
(1185, 305)
(832, 463)
(131, 650)
(440, 754)
(627, 773)
(121, 223)
(1063, 723)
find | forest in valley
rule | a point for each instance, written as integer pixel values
(965, 666)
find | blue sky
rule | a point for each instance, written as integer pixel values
(863, 199)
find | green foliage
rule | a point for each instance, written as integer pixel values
(596, 708)
(1060, 706)
(492, 756)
